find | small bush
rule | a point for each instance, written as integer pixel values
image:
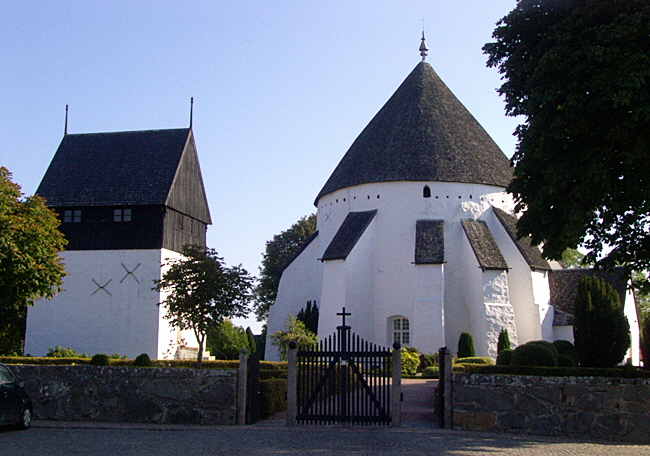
(465, 345)
(476, 360)
(533, 355)
(503, 358)
(427, 360)
(564, 347)
(431, 372)
(410, 362)
(60, 352)
(273, 397)
(142, 360)
(565, 360)
(100, 359)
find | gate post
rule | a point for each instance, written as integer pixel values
(444, 361)
(292, 384)
(241, 386)
(396, 388)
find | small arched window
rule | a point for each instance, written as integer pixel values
(426, 192)
(401, 330)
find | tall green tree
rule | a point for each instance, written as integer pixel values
(601, 331)
(203, 292)
(578, 71)
(225, 340)
(30, 266)
(279, 251)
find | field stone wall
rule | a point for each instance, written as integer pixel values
(131, 394)
(605, 408)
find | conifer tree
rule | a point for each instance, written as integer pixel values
(504, 341)
(309, 316)
(600, 329)
(465, 345)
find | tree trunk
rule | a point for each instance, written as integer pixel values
(199, 356)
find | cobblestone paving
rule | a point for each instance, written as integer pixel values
(57, 438)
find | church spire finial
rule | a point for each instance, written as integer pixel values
(423, 48)
(191, 110)
(65, 128)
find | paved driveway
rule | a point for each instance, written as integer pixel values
(57, 438)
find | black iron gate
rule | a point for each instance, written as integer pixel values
(344, 379)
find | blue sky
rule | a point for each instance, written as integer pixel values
(281, 88)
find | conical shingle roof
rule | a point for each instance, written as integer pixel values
(423, 133)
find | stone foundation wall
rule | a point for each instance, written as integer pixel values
(606, 408)
(129, 394)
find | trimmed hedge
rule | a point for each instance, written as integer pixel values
(476, 360)
(273, 397)
(434, 371)
(615, 372)
(174, 363)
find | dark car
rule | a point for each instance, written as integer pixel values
(15, 405)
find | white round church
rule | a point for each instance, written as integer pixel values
(416, 237)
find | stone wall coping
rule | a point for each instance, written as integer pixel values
(528, 380)
(132, 370)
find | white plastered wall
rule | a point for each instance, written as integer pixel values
(107, 306)
(521, 283)
(301, 281)
(629, 308)
(433, 297)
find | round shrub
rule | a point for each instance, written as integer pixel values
(565, 360)
(503, 358)
(564, 347)
(100, 359)
(533, 355)
(142, 360)
(548, 345)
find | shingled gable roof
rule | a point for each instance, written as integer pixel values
(118, 169)
(348, 234)
(423, 133)
(484, 246)
(563, 285)
(531, 253)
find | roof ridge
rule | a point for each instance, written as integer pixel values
(155, 130)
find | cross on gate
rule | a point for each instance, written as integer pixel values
(130, 273)
(101, 287)
(343, 314)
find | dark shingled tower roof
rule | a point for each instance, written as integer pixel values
(121, 168)
(423, 133)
